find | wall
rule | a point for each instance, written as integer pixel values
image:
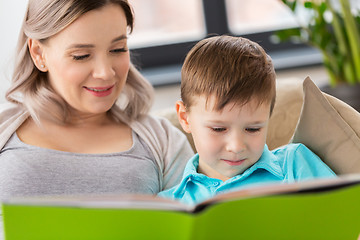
(11, 16)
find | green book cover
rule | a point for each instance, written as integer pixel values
(319, 209)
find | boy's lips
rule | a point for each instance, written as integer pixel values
(234, 162)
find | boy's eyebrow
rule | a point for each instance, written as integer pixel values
(252, 123)
(80, 45)
(257, 123)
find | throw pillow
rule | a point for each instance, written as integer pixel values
(330, 128)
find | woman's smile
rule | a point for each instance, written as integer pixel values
(100, 91)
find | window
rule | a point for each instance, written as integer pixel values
(166, 30)
(246, 17)
(160, 22)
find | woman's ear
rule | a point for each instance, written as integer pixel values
(36, 52)
(182, 116)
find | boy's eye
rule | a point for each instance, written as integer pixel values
(218, 129)
(118, 50)
(252, 130)
(80, 57)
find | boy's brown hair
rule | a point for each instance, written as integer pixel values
(232, 69)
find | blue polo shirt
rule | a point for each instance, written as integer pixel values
(290, 163)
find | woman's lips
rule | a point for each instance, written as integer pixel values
(234, 162)
(100, 91)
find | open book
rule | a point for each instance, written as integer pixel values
(316, 209)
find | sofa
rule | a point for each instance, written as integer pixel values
(304, 114)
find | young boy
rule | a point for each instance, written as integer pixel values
(228, 94)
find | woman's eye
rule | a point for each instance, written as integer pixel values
(80, 57)
(119, 50)
(218, 129)
(252, 130)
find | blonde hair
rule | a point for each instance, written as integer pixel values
(232, 69)
(30, 87)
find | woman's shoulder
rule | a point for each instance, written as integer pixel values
(11, 117)
(9, 110)
(158, 130)
(155, 123)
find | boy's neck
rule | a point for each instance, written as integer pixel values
(207, 171)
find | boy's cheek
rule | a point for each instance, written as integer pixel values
(206, 144)
(212, 144)
(259, 147)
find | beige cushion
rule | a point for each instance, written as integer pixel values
(330, 128)
(289, 99)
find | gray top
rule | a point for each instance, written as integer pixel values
(168, 145)
(27, 170)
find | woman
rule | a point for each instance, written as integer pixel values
(78, 119)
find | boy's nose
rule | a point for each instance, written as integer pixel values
(103, 70)
(236, 143)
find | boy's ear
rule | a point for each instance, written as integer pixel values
(182, 116)
(36, 53)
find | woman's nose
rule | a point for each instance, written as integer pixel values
(103, 69)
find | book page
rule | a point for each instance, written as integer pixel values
(138, 201)
(314, 185)
(135, 201)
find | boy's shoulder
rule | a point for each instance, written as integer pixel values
(292, 153)
(299, 162)
(291, 149)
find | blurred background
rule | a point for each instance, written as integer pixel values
(165, 30)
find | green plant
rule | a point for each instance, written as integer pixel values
(334, 29)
